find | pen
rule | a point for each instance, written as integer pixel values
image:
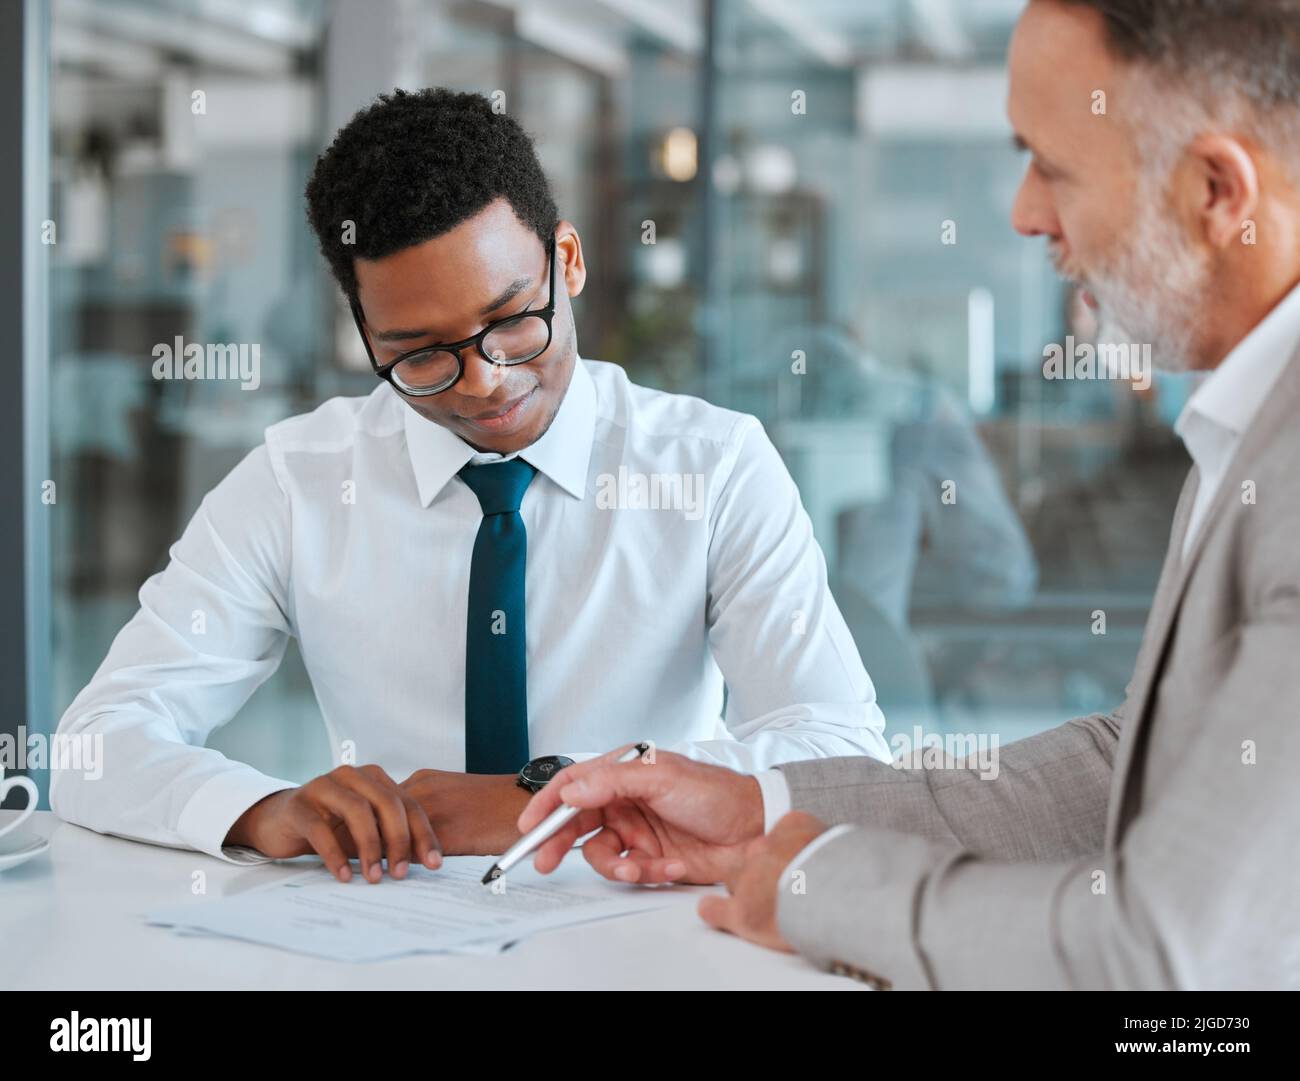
(548, 827)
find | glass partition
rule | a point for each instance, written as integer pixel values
(804, 218)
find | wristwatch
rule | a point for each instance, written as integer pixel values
(535, 775)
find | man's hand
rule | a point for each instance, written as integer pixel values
(750, 911)
(350, 811)
(473, 813)
(670, 820)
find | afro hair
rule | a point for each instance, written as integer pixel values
(413, 165)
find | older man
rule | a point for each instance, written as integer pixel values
(1158, 846)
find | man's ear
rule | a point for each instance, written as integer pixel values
(1227, 187)
(572, 271)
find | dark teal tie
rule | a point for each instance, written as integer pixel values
(496, 669)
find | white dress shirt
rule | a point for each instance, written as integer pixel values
(1211, 425)
(349, 529)
(1217, 415)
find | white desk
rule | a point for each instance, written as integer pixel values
(71, 919)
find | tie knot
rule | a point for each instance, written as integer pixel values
(500, 486)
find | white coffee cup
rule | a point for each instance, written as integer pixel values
(32, 797)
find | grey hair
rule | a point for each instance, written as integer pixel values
(1233, 65)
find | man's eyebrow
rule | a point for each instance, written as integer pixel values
(1041, 160)
(507, 295)
(398, 335)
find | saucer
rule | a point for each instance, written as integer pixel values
(18, 847)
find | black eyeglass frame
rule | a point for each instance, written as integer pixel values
(385, 371)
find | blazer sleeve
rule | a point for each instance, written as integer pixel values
(1199, 892)
(1040, 798)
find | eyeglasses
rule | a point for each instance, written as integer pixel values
(431, 369)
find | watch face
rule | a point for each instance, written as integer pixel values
(540, 770)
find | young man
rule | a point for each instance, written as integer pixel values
(1155, 847)
(502, 554)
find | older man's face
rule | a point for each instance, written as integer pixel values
(1109, 225)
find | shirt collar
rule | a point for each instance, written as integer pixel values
(1233, 392)
(562, 453)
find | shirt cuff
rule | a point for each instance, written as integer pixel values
(775, 790)
(806, 853)
(216, 806)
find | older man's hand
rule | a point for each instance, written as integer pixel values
(750, 911)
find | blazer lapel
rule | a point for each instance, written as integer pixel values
(1275, 412)
(1163, 606)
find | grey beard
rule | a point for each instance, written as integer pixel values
(1153, 292)
(1162, 319)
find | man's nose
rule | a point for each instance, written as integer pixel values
(481, 378)
(1032, 213)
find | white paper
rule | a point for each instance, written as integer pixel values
(428, 911)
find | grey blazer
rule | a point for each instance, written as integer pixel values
(1155, 847)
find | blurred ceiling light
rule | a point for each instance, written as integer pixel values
(74, 47)
(677, 28)
(828, 46)
(929, 101)
(176, 32)
(940, 30)
(279, 21)
(784, 261)
(770, 169)
(664, 262)
(678, 155)
(726, 174)
(980, 350)
(581, 41)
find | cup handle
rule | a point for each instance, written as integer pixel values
(32, 797)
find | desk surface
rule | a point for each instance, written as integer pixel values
(72, 918)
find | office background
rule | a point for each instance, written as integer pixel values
(827, 187)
